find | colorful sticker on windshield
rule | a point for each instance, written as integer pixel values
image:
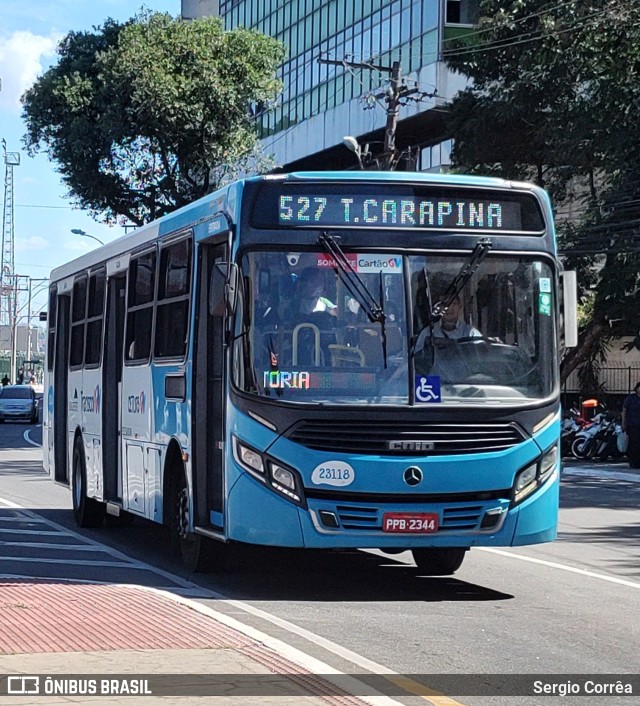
(364, 264)
(379, 263)
(336, 473)
(427, 389)
(545, 284)
(544, 303)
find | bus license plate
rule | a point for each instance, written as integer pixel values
(410, 522)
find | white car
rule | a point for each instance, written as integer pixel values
(18, 402)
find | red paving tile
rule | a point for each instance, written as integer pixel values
(40, 616)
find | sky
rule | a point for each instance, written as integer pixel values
(43, 214)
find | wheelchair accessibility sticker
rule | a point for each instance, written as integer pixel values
(427, 388)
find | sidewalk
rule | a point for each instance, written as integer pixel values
(615, 470)
(115, 632)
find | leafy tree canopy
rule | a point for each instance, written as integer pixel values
(555, 99)
(146, 116)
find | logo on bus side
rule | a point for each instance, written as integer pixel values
(136, 404)
(91, 403)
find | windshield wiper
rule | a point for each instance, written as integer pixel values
(459, 282)
(357, 288)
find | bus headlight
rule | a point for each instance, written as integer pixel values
(281, 479)
(249, 458)
(287, 482)
(548, 463)
(535, 474)
(525, 482)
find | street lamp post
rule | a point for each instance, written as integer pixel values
(79, 231)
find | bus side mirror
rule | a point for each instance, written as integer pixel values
(570, 308)
(223, 288)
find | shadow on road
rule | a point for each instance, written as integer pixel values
(30, 469)
(291, 575)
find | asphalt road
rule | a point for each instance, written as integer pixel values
(569, 607)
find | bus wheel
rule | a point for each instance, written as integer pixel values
(439, 561)
(87, 511)
(197, 551)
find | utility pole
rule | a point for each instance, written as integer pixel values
(395, 95)
(14, 326)
(393, 111)
(7, 284)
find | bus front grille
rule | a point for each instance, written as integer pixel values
(452, 518)
(400, 438)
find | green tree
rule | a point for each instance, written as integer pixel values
(554, 99)
(146, 116)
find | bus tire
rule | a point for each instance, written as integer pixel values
(198, 552)
(87, 511)
(439, 561)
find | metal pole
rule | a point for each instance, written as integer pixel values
(393, 111)
(29, 356)
(14, 332)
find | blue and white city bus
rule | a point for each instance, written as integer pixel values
(245, 369)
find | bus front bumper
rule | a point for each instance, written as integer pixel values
(256, 515)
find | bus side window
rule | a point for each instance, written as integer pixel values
(172, 317)
(142, 276)
(78, 321)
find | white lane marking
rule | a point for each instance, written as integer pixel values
(94, 582)
(200, 592)
(38, 532)
(26, 437)
(562, 567)
(102, 547)
(292, 653)
(51, 545)
(72, 562)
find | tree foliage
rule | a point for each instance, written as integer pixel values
(146, 116)
(555, 99)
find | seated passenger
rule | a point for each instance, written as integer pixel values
(309, 297)
(449, 326)
(316, 313)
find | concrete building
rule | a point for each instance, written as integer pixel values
(24, 341)
(322, 102)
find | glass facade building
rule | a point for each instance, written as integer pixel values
(356, 30)
(321, 102)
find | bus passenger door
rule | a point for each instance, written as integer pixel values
(61, 393)
(208, 398)
(111, 387)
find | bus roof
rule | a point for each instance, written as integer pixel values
(217, 201)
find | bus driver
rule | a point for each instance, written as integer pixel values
(449, 326)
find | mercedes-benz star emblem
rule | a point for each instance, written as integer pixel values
(412, 476)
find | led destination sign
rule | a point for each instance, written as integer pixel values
(399, 211)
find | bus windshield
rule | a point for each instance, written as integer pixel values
(304, 335)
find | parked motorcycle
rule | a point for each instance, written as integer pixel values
(586, 441)
(608, 441)
(572, 424)
(598, 440)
